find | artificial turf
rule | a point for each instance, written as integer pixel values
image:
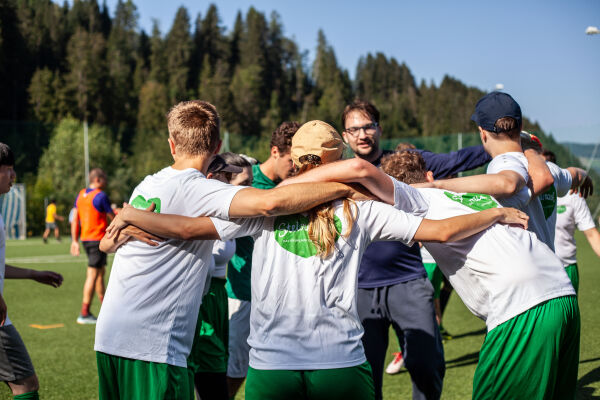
(65, 361)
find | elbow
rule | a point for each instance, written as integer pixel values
(361, 167)
(446, 235)
(509, 187)
(104, 247)
(269, 207)
(186, 231)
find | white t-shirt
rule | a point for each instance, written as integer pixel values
(222, 252)
(560, 188)
(515, 161)
(304, 314)
(572, 211)
(426, 256)
(151, 305)
(500, 272)
(3, 262)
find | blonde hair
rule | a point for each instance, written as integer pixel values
(194, 127)
(321, 223)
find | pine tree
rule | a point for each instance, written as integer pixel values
(179, 45)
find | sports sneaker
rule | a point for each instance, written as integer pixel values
(86, 319)
(396, 365)
(45, 240)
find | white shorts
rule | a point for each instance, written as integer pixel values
(239, 330)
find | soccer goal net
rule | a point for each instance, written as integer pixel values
(12, 209)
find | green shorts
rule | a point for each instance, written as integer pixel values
(573, 273)
(534, 355)
(435, 277)
(353, 383)
(211, 339)
(127, 379)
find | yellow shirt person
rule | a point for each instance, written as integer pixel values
(51, 218)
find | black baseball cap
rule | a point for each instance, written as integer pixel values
(218, 164)
(493, 106)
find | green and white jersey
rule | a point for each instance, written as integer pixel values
(572, 211)
(304, 314)
(523, 200)
(549, 199)
(499, 272)
(151, 305)
(3, 263)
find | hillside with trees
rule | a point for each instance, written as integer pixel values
(62, 64)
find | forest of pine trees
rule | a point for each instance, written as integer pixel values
(64, 64)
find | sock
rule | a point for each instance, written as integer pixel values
(27, 396)
(85, 309)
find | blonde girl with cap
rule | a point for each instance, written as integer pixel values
(305, 333)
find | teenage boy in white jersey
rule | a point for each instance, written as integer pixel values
(572, 211)
(508, 278)
(499, 119)
(16, 369)
(145, 328)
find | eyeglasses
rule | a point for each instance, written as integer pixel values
(369, 129)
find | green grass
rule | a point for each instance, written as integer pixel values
(65, 362)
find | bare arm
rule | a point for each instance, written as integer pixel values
(3, 310)
(540, 177)
(351, 170)
(593, 237)
(75, 235)
(290, 199)
(111, 243)
(165, 225)
(582, 183)
(46, 277)
(501, 185)
(460, 227)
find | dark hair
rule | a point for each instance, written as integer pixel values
(406, 166)
(7, 157)
(363, 107)
(509, 126)
(282, 137)
(550, 156)
(232, 159)
(97, 173)
(528, 143)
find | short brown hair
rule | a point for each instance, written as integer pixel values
(194, 127)
(508, 126)
(550, 156)
(232, 159)
(363, 107)
(406, 166)
(405, 146)
(97, 173)
(282, 137)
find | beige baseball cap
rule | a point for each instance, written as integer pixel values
(317, 138)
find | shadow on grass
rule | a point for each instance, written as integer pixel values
(467, 359)
(590, 378)
(472, 333)
(589, 360)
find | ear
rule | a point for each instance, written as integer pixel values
(429, 176)
(274, 152)
(218, 148)
(172, 146)
(209, 175)
(345, 136)
(482, 135)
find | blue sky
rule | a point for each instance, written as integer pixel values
(537, 49)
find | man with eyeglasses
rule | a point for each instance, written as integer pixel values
(392, 282)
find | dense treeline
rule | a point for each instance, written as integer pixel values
(61, 64)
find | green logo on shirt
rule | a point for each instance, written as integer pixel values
(548, 200)
(561, 209)
(475, 201)
(291, 232)
(141, 203)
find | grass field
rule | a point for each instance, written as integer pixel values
(65, 360)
